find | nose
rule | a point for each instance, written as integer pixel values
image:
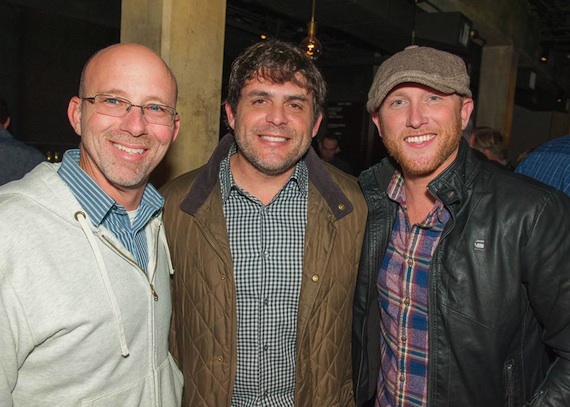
(277, 115)
(416, 116)
(134, 122)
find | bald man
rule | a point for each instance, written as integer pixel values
(84, 265)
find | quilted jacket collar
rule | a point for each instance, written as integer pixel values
(207, 179)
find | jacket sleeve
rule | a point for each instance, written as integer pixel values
(547, 274)
(16, 341)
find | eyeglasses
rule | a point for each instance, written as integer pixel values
(118, 107)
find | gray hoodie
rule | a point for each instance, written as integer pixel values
(80, 322)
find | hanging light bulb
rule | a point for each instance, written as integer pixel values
(310, 44)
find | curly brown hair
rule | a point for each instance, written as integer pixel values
(279, 62)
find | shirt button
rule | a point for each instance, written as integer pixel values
(402, 377)
(404, 339)
(266, 301)
(315, 278)
(410, 262)
(407, 301)
(266, 347)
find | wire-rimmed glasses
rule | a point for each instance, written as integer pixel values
(115, 106)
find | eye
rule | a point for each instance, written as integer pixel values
(109, 100)
(113, 102)
(434, 97)
(156, 108)
(296, 106)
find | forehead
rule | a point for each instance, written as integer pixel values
(133, 73)
(272, 78)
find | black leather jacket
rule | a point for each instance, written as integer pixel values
(499, 288)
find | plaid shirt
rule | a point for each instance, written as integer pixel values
(267, 246)
(403, 296)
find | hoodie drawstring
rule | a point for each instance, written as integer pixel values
(82, 219)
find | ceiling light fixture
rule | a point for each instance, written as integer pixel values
(310, 44)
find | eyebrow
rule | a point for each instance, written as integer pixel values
(121, 94)
(288, 98)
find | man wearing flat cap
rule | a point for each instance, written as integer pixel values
(463, 292)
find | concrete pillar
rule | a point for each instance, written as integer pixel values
(497, 85)
(189, 35)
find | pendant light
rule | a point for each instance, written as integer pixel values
(310, 44)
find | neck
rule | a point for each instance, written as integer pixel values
(262, 186)
(418, 199)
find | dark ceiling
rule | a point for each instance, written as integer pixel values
(367, 31)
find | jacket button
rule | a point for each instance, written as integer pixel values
(315, 278)
(220, 358)
(341, 207)
(223, 277)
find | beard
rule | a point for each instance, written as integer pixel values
(267, 163)
(421, 163)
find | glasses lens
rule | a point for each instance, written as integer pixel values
(158, 114)
(111, 105)
(118, 107)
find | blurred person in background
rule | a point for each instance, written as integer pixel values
(549, 163)
(491, 143)
(16, 158)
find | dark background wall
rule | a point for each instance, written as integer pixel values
(41, 58)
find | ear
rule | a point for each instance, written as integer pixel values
(317, 124)
(466, 110)
(176, 127)
(74, 114)
(230, 115)
(376, 119)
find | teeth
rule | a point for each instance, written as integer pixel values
(129, 150)
(273, 138)
(419, 139)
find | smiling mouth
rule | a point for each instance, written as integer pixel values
(277, 139)
(419, 139)
(128, 150)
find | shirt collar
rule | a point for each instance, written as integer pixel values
(300, 176)
(397, 193)
(96, 202)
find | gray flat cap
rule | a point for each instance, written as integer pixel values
(436, 69)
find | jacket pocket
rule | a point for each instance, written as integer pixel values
(171, 383)
(508, 373)
(536, 399)
(132, 395)
(347, 395)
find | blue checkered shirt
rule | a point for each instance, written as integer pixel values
(102, 210)
(267, 246)
(402, 286)
(550, 163)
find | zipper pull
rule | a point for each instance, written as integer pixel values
(154, 294)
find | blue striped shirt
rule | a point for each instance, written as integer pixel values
(403, 296)
(103, 210)
(550, 163)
